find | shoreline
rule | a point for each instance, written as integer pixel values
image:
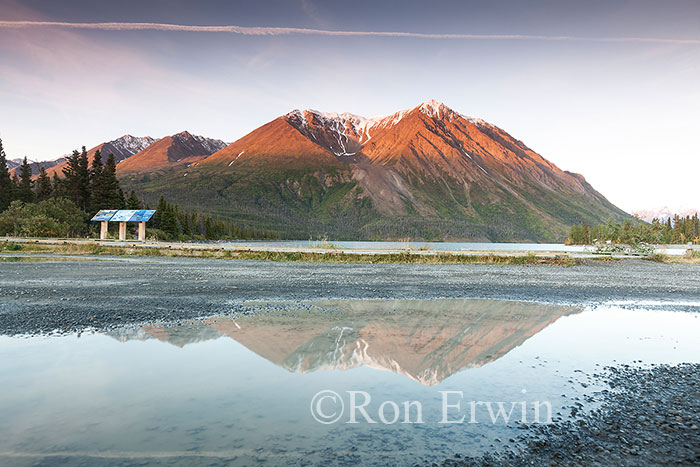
(321, 253)
(72, 293)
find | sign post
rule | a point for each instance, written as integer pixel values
(123, 216)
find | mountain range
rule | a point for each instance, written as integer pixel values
(665, 213)
(427, 172)
(122, 148)
(165, 151)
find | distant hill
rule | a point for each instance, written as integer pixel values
(426, 173)
(36, 166)
(664, 213)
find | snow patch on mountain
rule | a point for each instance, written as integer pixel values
(344, 134)
(130, 145)
(210, 144)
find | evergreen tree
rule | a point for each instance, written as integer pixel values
(158, 215)
(77, 179)
(96, 168)
(133, 202)
(99, 192)
(168, 221)
(56, 186)
(6, 189)
(43, 186)
(15, 186)
(25, 192)
(183, 219)
(113, 197)
(121, 198)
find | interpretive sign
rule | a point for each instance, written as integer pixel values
(123, 216)
(104, 215)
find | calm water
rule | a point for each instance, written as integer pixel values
(434, 246)
(240, 391)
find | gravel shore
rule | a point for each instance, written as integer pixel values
(106, 292)
(647, 417)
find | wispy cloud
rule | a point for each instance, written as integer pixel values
(280, 31)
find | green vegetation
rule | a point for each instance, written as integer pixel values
(171, 223)
(678, 230)
(62, 207)
(313, 257)
(329, 202)
(57, 217)
(10, 246)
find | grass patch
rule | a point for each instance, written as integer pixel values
(311, 257)
(692, 257)
(10, 246)
(41, 259)
(657, 257)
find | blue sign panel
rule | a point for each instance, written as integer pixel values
(142, 215)
(123, 215)
(104, 215)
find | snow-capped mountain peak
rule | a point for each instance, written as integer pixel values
(665, 213)
(434, 109)
(344, 134)
(128, 145)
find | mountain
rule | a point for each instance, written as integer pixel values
(36, 166)
(12, 163)
(122, 148)
(182, 148)
(424, 340)
(425, 173)
(665, 213)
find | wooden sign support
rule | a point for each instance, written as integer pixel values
(123, 216)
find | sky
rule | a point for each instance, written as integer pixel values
(609, 89)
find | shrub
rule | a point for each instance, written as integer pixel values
(50, 218)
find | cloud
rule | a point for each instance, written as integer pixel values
(281, 31)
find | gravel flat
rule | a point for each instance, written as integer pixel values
(109, 291)
(649, 416)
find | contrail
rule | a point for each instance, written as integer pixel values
(276, 31)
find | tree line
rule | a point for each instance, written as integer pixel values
(62, 206)
(676, 230)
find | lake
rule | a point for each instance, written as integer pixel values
(280, 384)
(415, 246)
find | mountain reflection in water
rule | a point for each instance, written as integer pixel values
(425, 340)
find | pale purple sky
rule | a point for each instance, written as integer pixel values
(617, 99)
